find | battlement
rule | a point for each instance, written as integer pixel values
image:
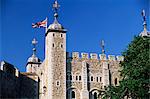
(9, 68)
(95, 56)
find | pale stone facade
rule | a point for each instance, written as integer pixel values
(64, 76)
(88, 76)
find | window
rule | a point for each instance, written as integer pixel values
(53, 35)
(79, 77)
(97, 79)
(95, 95)
(53, 44)
(61, 35)
(73, 95)
(58, 83)
(91, 78)
(115, 81)
(61, 46)
(100, 79)
(76, 77)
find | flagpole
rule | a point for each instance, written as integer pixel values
(46, 26)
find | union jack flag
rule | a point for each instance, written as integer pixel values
(40, 24)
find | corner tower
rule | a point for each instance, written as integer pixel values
(33, 62)
(55, 58)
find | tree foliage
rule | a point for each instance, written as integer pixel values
(135, 72)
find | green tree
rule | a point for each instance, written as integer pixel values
(135, 72)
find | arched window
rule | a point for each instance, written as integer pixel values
(76, 77)
(97, 79)
(100, 79)
(79, 77)
(53, 44)
(61, 46)
(95, 95)
(91, 78)
(73, 95)
(115, 81)
(61, 35)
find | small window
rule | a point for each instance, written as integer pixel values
(53, 44)
(100, 79)
(79, 77)
(91, 78)
(61, 35)
(95, 95)
(73, 95)
(53, 35)
(57, 83)
(97, 79)
(115, 81)
(61, 46)
(76, 77)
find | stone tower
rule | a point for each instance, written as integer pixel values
(33, 61)
(55, 58)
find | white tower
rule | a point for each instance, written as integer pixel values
(55, 59)
(33, 61)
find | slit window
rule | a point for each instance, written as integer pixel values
(91, 78)
(61, 46)
(97, 79)
(76, 77)
(100, 79)
(79, 77)
(115, 81)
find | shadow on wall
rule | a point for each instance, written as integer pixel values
(14, 84)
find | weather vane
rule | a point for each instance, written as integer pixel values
(102, 46)
(144, 19)
(56, 6)
(34, 43)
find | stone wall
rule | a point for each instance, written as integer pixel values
(14, 84)
(96, 65)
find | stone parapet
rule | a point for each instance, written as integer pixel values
(95, 56)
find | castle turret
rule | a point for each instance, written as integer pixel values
(33, 61)
(55, 58)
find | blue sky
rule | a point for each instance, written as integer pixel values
(87, 22)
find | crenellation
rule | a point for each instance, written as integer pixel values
(84, 55)
(93, 56)
(120, 58)
(102, 56)
(111, 57)
(75, 55)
